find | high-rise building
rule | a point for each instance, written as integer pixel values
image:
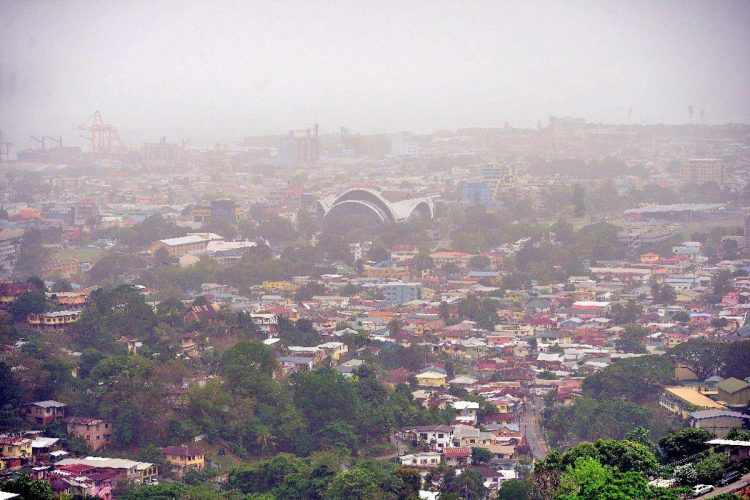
(498, 172)
(478, 193)
(403, 145)
(702, 170)
(10, 240)
(300, 147)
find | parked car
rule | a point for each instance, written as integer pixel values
(729, 478)
(702, 489)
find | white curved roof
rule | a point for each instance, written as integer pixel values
(397, 212)
(402, 210)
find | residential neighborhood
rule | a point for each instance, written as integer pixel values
(334, 251)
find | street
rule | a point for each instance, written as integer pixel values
(740, 483)
(532, 430)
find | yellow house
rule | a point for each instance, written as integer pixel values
(432, 377)
(15, 447)
(684, 400)
(281, 286)
(334, 350)
(183, 458)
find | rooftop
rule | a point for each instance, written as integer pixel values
(732, 385)
(694, 397)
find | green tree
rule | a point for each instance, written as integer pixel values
(631, 339)
(248, 368)
(28, 303)
(394, 327)
(684, 443)
(469, 485)
(412, 480)
(562, 231)
(422, 261)
(628, 313)
(642, 435)
(264, 439)
(626, 456)
(479, 263)
(514, 489)
(27, 488)
(663, 293)
(378, 252)
(598, 242)
(579, 200)
(177, 491)
(590, 479)
(162, 257)
(61, 286)
(480, 456)
(354, 483)
(10, 398)
(737, 363)
(703, 357)
(635, 379)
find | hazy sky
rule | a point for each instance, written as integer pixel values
(222, 70)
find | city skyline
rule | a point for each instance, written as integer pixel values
(223, 71)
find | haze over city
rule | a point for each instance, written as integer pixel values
(350, 250)
(224, 70)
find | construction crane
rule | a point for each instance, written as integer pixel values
(40, 141)
(57, 141)
(104, 137)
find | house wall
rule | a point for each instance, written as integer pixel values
(96, 436)
(739, 398)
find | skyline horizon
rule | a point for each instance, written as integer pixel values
(30, 143)
(223, 69)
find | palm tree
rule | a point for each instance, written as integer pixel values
(264, 438)
(394, 327)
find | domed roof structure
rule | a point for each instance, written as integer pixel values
(370, 205)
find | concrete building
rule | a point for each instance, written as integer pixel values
(438, 436)
(498, 172)
(702, 170)
(138, 472)
(95, 432)
(403, 145)
(54, 320)
(298, 148)
(424, 459)
(720, 422)
(267, 323)
(400, 293)
(184, 458)
(10, 239)
(734, 392)
(177, 247)
(477, 193)
(43, 412)
(683, 400)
